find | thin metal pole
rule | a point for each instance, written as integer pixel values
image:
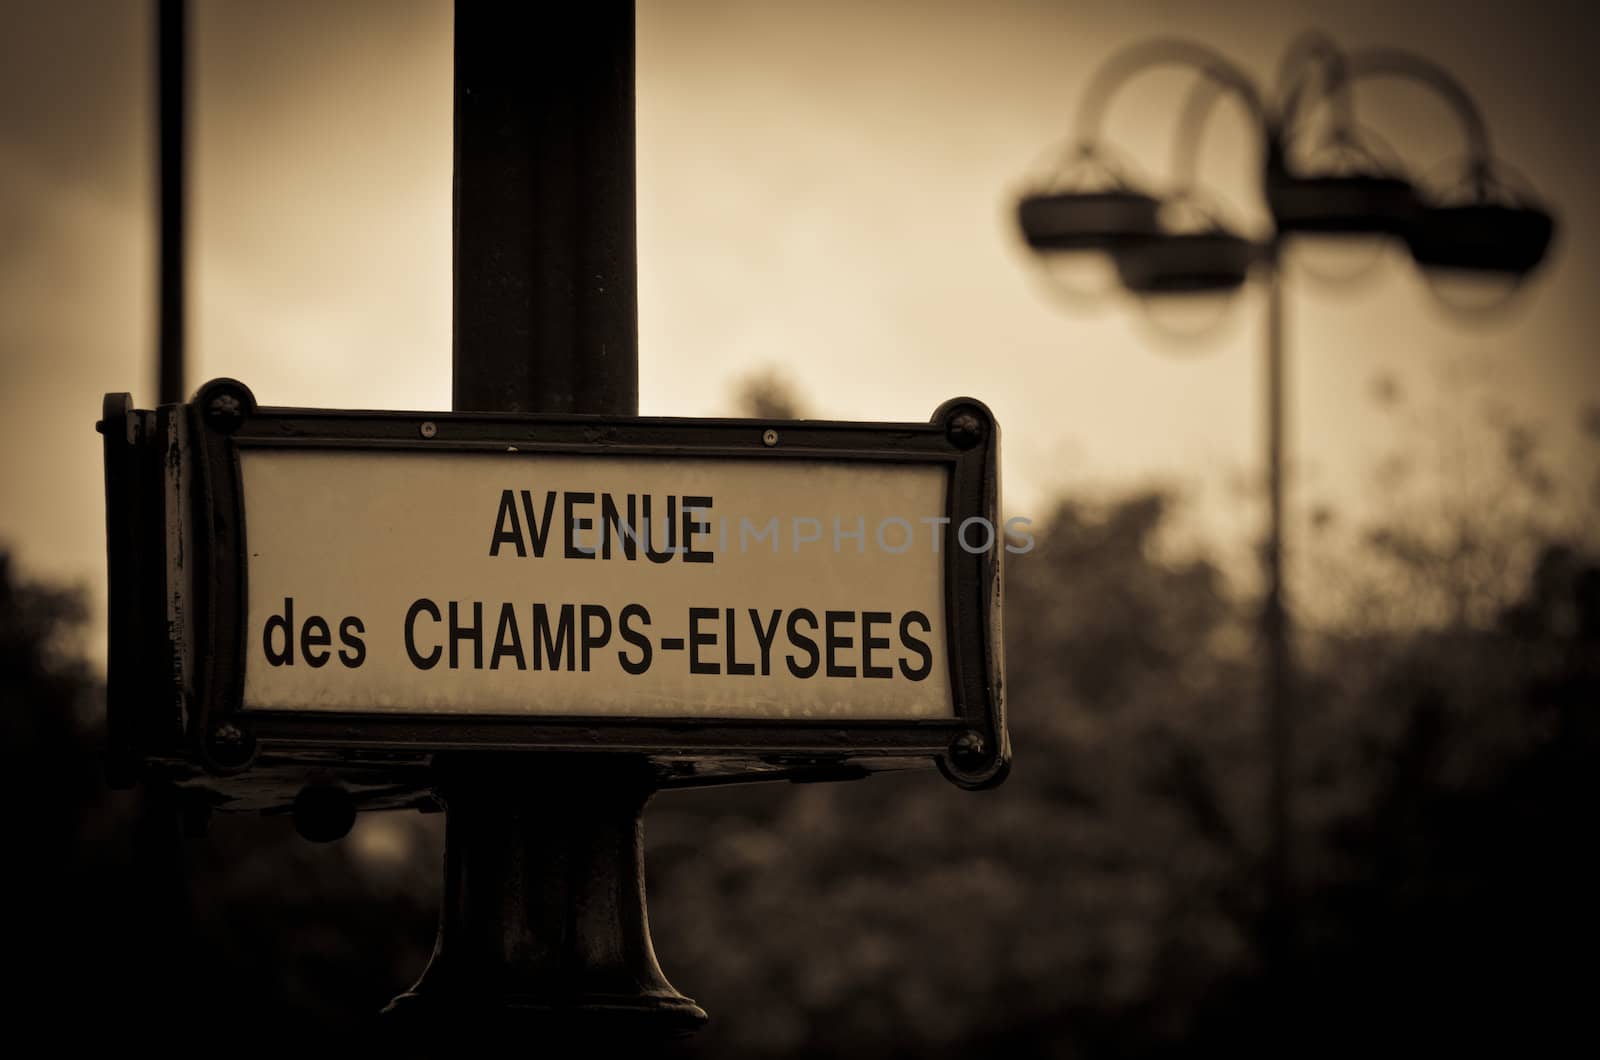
(171, 61)
(543, 930)
(164, 931)
(1279, 663)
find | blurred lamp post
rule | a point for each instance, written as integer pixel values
(1333, 186)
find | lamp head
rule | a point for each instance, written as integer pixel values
(1193, 254)
(1342, 204)
(1482, 237)
(1087, 220)
(1341, 188)
(1491, 229)
(1086, 204)
(1209, 262)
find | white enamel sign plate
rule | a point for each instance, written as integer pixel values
(478, 583)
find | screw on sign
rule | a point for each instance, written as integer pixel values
(966, 430)
(224, 408)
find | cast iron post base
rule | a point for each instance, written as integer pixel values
(543, 926)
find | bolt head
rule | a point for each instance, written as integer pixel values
(224, 405)
(230, 745)
(969, 750)
(965, 430)
(769, 437)
(225, 412)
(428, 428)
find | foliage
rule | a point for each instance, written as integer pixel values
(118, 913)
(768, 395)
(1093, 896)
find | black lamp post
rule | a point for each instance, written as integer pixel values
(1086, 206)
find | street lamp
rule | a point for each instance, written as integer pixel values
(1485, 227)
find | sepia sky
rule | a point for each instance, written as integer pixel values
(823, 187)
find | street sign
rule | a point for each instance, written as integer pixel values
(729, 597)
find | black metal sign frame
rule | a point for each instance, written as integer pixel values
(173, 485)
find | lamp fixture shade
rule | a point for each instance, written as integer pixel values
(1087, 220)
(1481, 237)
(1209, 261)
(1342, 204)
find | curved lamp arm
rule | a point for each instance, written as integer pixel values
(1191, 129)
(1338, 71)
(1122, 67)
(1312, 62)
(1308, 55)
(1388, 62)
(1294, 79)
